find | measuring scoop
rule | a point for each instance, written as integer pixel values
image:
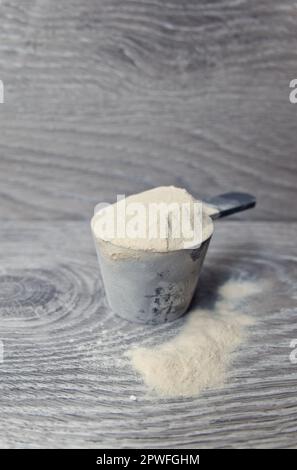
(152, 287)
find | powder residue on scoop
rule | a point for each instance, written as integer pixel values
(199, 356)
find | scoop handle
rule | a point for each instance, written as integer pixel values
(229, 203)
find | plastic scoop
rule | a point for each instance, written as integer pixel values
(152, 287)
(229, 203)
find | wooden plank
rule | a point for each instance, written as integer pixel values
(106, 97)
(64, 380)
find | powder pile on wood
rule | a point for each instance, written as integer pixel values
(199, 356)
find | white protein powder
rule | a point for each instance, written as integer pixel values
(142, 238)
(198, 357)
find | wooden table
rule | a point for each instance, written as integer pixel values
(113, 97)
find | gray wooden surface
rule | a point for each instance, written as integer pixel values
(65, 382)
(114, 96)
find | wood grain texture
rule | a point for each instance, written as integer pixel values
(65, 383)
(111, 96)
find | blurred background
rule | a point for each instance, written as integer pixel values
(111, 96)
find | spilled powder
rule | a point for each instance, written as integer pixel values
(199, 356)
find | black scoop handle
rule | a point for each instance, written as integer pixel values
(230, 203)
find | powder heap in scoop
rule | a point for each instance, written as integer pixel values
(158, 220)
